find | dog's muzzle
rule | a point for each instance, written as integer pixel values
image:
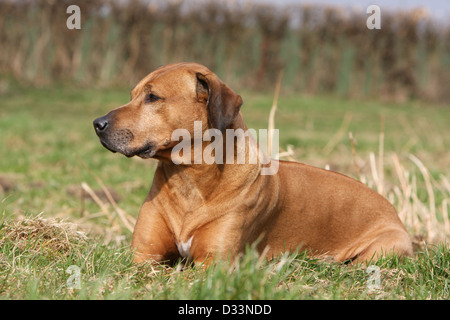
(117, 140)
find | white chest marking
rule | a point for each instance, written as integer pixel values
(184, 247)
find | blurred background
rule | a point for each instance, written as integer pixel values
(323, 47)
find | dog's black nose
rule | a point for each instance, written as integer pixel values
(100, 124)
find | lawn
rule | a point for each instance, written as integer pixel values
(56, 213)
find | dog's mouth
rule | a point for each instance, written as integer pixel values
(107, 146)
(145, 152)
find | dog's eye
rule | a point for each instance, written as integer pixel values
(151, 98)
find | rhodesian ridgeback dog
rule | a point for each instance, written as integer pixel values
(203, 211)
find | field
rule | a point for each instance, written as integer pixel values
(56, 213)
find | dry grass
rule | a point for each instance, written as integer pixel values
(49, 236)
(425, 217)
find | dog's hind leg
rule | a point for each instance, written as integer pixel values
(391, 242)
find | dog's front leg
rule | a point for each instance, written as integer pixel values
(152, 239)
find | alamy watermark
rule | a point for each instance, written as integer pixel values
(374, 281)
(74, 20)
(374, 20)
(246, 150)
(74, 281)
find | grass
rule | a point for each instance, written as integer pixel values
(31, 269)
(52, 163)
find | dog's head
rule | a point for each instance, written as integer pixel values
(172, 97)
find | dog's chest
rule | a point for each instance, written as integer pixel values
(185, 247)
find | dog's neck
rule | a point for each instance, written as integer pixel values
(206, 178)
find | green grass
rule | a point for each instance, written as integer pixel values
(106, 271)
(47, 140)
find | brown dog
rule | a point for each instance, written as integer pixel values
(205, 210)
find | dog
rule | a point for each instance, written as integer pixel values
(203, 211)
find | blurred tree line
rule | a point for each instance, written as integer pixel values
(321, 49)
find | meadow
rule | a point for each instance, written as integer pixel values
(66, 201)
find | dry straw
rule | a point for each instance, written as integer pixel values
(43, 235)
(127, 221)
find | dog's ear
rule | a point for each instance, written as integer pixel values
(222, 104)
